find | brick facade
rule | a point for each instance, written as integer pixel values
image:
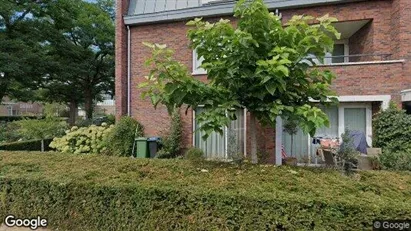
(388, 31)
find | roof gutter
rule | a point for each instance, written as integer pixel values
(218, 9)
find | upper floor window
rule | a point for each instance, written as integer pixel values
(197, 70)
(339, 54)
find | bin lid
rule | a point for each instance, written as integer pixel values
(141, 138)
(155, 138)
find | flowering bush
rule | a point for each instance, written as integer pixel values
(83, 140)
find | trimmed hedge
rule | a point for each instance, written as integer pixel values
(90, 192)
(30, 145)
(17, 118)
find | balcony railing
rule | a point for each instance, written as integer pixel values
(329, 60)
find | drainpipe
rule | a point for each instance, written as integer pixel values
(128, 71)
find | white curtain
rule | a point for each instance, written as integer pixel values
(214, 147)
(355, 119)
(303, 148)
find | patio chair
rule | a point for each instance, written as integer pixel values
(329, 158)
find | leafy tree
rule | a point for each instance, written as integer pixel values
(173, 138)
(41, 129)
(259, 65)
(81, 43)
(22, 54)
(120, 140)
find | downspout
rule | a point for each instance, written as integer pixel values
(128, 71)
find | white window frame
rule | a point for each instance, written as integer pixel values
(225, 132)
(354, 100)
(328, 59)
(196, 63)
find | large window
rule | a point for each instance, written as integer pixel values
(354, 116)
(218, 146)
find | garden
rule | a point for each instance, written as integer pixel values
(88, 181)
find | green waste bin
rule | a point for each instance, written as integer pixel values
(141, 147)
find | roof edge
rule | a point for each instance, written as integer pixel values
(221, 9)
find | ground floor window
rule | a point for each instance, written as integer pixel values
(219, 146)
(354, 116)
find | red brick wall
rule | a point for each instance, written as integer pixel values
(370, 79)
(174, 35)
(361, 43)
(379, 36)
(121, 58)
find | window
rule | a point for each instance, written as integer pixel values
(218, 146)
(197, 61)
(11, 111)
(339, 54)
(354, 116)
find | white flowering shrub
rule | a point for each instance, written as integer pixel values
(85, 140)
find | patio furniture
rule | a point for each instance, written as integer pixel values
(329, 157)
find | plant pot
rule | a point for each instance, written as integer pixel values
(365, 163)
(291, 161)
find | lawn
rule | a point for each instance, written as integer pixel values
(111, 193)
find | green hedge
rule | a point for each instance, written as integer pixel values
(17, 118)
(90, 192)
(30, 145)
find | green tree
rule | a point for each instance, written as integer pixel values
(41, 129)
(259, 65)
(22, 53)
(81, 43)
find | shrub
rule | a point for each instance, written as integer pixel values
(194, 154)
(392, 130)
(120, 140)
(41, 129)
(234, 149)
(8, 132)
(81, 122)
(17, 118)
(83, 140)
(347, 154)
(29, 145)
(110, 193)
(396, 160)
(171, 142)
(110, 119)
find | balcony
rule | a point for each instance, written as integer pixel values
(366, 74)
(358, 59)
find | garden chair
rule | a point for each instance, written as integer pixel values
(329, 158)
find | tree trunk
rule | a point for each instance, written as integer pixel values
(292, 144)
(72, 113)
(42, 145)
(88, 104)
(253, 134)
(3, 86)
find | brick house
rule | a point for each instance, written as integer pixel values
(14, 108)
(372, 62)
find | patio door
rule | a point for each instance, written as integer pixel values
(303, 147)
(354, 116)
(216, 146)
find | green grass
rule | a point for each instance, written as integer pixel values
(320, 195)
